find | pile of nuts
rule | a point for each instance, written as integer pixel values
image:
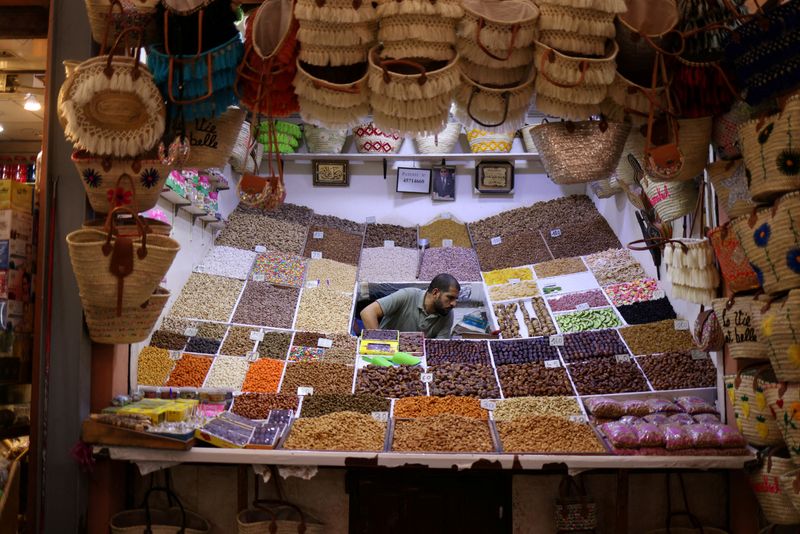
(228, 372)
(227, 261)
(521, 248)
(164, 339)
(337, 223)
(189, 372)
(334, 244)
(596, 344)
(413, 407)
(588, 320)
(602, 376)
(614, 266)
(212, 330)
(457, 351)
(389, 264)
(653, 338)
(274, 345)
(533, 379)
(526, 288)
(392, 382)
(324, 377)
(325, 310)
(153, 366)
(286, 211)
(509, 409)
(442, 433)
(679, 370)
(412, 342)
(238, 342)
(332, 274)
(593, 298)
(264, 376)
(316, 405)
(258, 405)
(246, 231)
(521, 219)
(647, 312)
(266, 305)
(207, 297)
(548, 434)
(523, 351)
(441, 229)
(584, 237)
(464, 380)
(402, 236)
(202, 345)
(559, 267)
(175, 324)
(460, 262)
(338, 431)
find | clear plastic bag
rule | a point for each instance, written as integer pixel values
(694, 405)
(676, 437)
(708, 419)
(662, 406)
(605, 408)
(729, 438)
(620, 435)
(649, 435)
(636, 407)
(681, 419)
(703, 436)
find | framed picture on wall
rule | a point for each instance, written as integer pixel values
(334, 172)
(444, 182)
(413, 180)
(494, 177)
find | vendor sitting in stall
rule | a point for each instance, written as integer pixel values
(415, 310)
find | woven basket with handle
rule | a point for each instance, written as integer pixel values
(732, 261)
(740, 320)
(751, 410)
(785, 403)
(171, 520)
(441, 143)
(730, 184)
(132, 326)
(778, 331)
(212, 140)
(765, 482)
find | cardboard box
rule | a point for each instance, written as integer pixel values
(16, 196)
(17, 229)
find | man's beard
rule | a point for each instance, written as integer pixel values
(440, 309)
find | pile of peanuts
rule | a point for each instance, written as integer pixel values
(325, 310)
(190, 371)
(583, 237)
(316, 405)
(401, 235)
(324, 377)
(212, 330)
(267, 305)
(258, 405)
(207, 297)
(509, 409)
(238, 342)
(153, 366)
(264, 376)
(332, 274)
(247, 230)
(547, 434)
(656, 337)
(338, 431)
(521, 248)
(344, 225)
(559, 267)
(442, 433)
(334, 244)
(413, 407)
(274, 345)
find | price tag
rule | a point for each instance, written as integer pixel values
(319, 235)
(259, 277)
(557, 340)
(659, 294)
(190, 331)
(316, 255)
(582, 307)
(555, 232)
(381, 417)
(699, 355)
(447, 243)
(388, 243)
(305, 390)
(623, 358)
(496, 240)
(426, 378)
(552, 364)
(256, 335)
(681, 324)
(175, 355)
(311, 284)
(371, 220)
(488, 404)
(578, 419)
(261, 248)
(445, 215)
(324, 343)
(513, 280)
(252, 356)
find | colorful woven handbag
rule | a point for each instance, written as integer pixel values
(740, 320)
(707, 332)
(732, 260)
(574, 511)
(730, 184)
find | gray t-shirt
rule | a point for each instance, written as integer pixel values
(403, 310)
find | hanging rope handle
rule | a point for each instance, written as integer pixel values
(550, 56)
(170, 86)
(352, 89)
(387, 76)
(148, 529)
(671, 514)
(109, 22)
(514, 31)
(135, 73)
(506, 96)
(657, 242)
(110, 228)
(649, 40)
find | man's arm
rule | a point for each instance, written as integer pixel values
(372, 315)
(444, 333)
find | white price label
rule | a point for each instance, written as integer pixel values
(582, 307)
(447, 243)
(252, 356)
(388, 243)
(261, 248)
(305, 390)
(557, 341)
(371, 220)
(174, 355)
(316, 255)
(190, 331)
(259, 277)
(681, 324)
(256, 335)
(699, 355)
(552, 364)
(381, 417)
(319, 235)
(555, 232)
(659, 294)
(488, 404)
(496, 240)
(623, 358)
(311, 284)
(426, 378)
(578, 419)
(324, 343)
(513, 280)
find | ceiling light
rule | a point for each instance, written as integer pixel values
(1, 128)
(31, 103)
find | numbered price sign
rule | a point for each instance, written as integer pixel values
(659, 294)
(311, 284)
(557, 340)
(371, 220)
(190, 331)
(426, 378)
(381, 417)
(175, 355)
(256, 335)
(681, 324)
(496, 240)
(488, 404)
(513, 280)
(316, 255)
(324, 343)
(623, 358)
(319, 235)
(699, 355)
(578, 419)
(305, 390)
(447, 243)
(388, 243)
(555, 232)
(259, 277)
(261, 249)
(552, 364)
(582, 307)
(252, 356)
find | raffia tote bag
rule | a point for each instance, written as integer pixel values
(754, 418)
(740, 320)
(499, 109)
(639, 31)
(280, 517)
(115, 270)
(324, 140)
(132, 326)
(333, 97)
(672, 200)
(790, 485)
(771, 245)
(212, 140)
(174, 520)
(732, 260)
(765, 482)
(730, 184)
(497, 33)
(108, 18)
(441, 143)
(785, 403)
(778, 331)
(580, 152)
(247, 153)
(771, 151)
(578, 27)
(411, 97)
(335, 32)
(111, 106)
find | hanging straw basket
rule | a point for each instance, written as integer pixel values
(372, 140)
(482, 142)
(212, 140)
(752, 412)
(279, 517)
(739, 276)
(147, 261)
(579, 30)
(771, 245)
(672, 200)
(171, 520)
(493, 108)
(441, 143)
(633, 98)
(646, 22)
(435, 51)
(740, 320)
(326, 32)
(128, 228)
(338, 11)
(785, 403)
(691, 269)
(421, 28)
(574, 43)
(765, 482)
(725, 135)
(108, 22)
(770, 154)
(332, 97)
(496, 33)
(694, 137)
(494, 76)
(781, 337)
(247, 154)
(324, 140)
(133, 326)
(449, 9)
(730, 184)
(574, 153)
(790, 485)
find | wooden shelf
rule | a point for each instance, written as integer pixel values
(171, 196)
(305, 156)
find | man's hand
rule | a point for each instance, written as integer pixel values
(371, 316)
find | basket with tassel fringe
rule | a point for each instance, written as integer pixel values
(694, 136)
(332, 97)
(770, 154)
(492, 32)
(606, 188)
(341, 12)
(556, 107)
(574, 43)
(494, 76)
(633, 97)
(644, 22)
(324, 140)
(778, 332)
(108, 18)
(748, 391)
(450, 9)
(481, 141)
(372, 140)
(417, 48)
(493, 108)
(247, 153)
(132, 326)
(671, 200)
(580, 152)
(771, 243)
(325, 32)
(411, 97)
(740, 320)
(730, 184)
(614, 112)
(790, 482)
(579, 27)
(690, 267)
(725, 134)
(736, 270)
(212, 140)
(332, 55)
(425, 28)
(440, 143)
(765, 483)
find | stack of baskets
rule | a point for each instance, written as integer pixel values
(418, 28)
(287, 136)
